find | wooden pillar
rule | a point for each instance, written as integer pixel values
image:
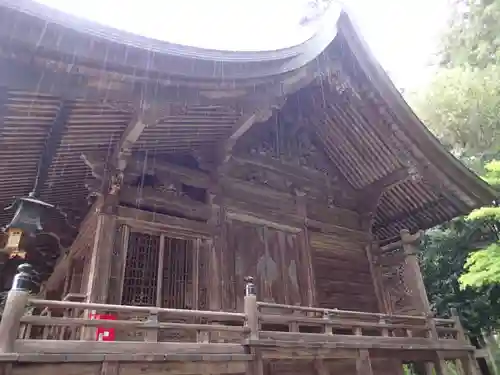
(214, 279)
(363, 363)
(415, 283)
(412, 275)
(196, 274)
(118, 263)
(68, 278)
(439, 366)
(378, 286)
(301, 203)
(469, 365)
(100, 264)
(320, 367)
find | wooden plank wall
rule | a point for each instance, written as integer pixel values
(274, 257)
(342, 272)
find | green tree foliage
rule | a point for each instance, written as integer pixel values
(449, 249)
(462, 106)
(445, 252)
(483, 265)
(473, 38)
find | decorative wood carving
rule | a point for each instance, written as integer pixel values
(261, 176)
(287, 157)
(288, 141)
(399, 295)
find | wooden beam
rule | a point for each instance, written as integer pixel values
(162, 168)
(28, 77)
(129, 136)
(146, 115)
(150, 198)
(369, 197)
(245, 123)
(51, 145)
(137, 166)
(248, 218)
(363, 363)
(144, 219)
(108, 87)
(385, 183)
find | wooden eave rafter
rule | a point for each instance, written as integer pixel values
(468, 183)
(253, 80)
(419, 210)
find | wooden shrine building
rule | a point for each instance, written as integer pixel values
(177, 172)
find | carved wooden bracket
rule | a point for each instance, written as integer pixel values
(368, 198)
(144, 115)
(411, 239)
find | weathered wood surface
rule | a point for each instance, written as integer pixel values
(161, 223)
(276, 209)
(276, 259)
(342, 272)
(133, 365)
(256, 352)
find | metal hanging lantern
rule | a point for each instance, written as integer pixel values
(26, 221)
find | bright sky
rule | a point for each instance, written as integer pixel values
(402, 33)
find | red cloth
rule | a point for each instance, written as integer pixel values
(102, 333)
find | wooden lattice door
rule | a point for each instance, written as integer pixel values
(158, 272)
(140, 281)
(177, 274)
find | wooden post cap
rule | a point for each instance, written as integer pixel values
(249, 286)
(24, 279)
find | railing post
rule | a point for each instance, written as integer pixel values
(458, 326)
(251, 311)
(431, 325)
(152, 334)
(438, 364)
(15, 305)
(469, 362)
(255, 366)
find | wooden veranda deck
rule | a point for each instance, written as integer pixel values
(62, 332)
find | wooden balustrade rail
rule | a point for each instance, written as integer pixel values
(72, 321)
(137, 309)
(356, 322)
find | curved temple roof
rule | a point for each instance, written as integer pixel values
(59, 68)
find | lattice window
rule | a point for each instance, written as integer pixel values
(159, 272)
(141, 270)
(177, 286)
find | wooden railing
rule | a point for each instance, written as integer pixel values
(45, 326)
(69, 321)
(300, 319)
(63, 320)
